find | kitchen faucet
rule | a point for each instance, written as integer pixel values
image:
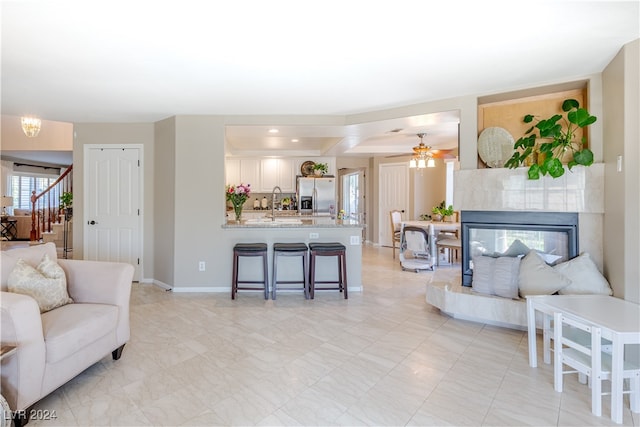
(273, 202)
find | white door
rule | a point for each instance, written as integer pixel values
(393, 193)
(112, 205)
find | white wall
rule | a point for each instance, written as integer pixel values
(622, 189)
(115, 133)
(53, 136)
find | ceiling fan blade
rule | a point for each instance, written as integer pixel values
(442, 154)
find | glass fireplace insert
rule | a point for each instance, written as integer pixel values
(494, 233)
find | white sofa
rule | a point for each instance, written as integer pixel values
(55, 346)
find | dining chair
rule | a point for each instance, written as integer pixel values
(589, 360)
(396, 220)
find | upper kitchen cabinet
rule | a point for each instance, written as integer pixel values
(243, 171)
(278, 172)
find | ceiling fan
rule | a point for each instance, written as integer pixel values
(423, 154)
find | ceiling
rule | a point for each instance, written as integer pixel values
(143, 61)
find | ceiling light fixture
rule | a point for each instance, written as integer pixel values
(422, 157)
(31, 126)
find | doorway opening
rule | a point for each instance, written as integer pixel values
(352, 195)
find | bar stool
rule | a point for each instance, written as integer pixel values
(290, 249)
(328, 249)
(249, 250)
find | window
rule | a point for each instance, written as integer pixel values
(23, 185)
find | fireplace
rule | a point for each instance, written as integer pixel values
(554, 234)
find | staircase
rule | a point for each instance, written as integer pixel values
(47, 218)
(56, 235)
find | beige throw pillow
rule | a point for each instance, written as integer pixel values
(584, 275)
(46, 283)
(538, 278)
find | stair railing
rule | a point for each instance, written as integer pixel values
(45, 207)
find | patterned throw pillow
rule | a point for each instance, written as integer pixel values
(46, 283)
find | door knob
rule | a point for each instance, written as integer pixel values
(92, 222)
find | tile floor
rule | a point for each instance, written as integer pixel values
(383, 357)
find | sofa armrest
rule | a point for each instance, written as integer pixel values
(101, 282)
(98, 282)
(21, 372)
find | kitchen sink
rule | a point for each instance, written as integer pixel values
(278, 221)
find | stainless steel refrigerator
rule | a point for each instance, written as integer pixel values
(316, 196)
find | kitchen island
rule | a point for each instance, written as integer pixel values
(295, 228)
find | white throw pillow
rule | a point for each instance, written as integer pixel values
(538, 278)
(482, 279)
(584, 275)
(506, 276)
(46, 283)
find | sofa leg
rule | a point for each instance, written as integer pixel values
(117, 352)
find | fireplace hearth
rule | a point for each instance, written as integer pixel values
(492, 233)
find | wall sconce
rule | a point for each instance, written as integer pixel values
(31, 126)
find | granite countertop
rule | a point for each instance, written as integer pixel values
(325, 222)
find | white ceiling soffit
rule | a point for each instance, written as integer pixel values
(89, 61)
(393, 136)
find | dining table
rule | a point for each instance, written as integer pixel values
(433, 228)
(618, 319)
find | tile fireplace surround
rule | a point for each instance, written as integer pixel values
(580, 190)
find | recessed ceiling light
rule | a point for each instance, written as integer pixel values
(295, 140)
(273, 130)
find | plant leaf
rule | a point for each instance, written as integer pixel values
(547, 147)
(581, 117)
(534, 172)
(513, 162)
(528, 118)
(553, 167)
(568, 104)
(583, 157)
(525, 141)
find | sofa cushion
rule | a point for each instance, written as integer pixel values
(538, 278)
(482, 279)
(496, 276)
(68, 329)
(31, 255)
(46, 283)
(585, 277)
(506, 277)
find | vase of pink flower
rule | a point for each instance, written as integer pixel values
(238, 195)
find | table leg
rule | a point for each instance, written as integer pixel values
(617, 357)
(531, 333)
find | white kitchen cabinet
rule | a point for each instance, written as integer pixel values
(277, 172)
(232, 171)
(243, 171)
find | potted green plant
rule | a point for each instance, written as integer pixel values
(66, 204)
(558, 134)
(320, 168)
(436, 211)
(447, 213)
